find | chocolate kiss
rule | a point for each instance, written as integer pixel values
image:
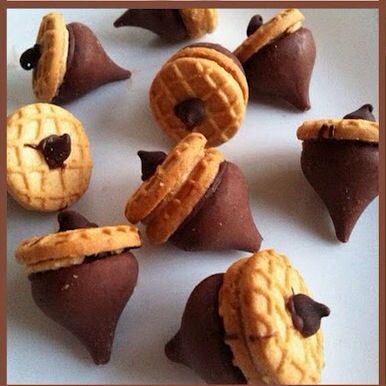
(222, 220)
(69, 219)
(364, 112)
(345, 175)
(88, 65)
(149, 162)
(167, 23)
(87, 299)
(306, 314)
(283, 68)
(199, 344)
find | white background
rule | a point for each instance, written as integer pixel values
(287, 212)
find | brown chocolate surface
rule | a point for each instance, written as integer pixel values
(70, 219)
(190, 111)
(150, 161)
(29, 58)
(199, 344)
(55, 149)
(167, 23)
(222, 219)
(88, 65)
(306, 314)
(364, 112)
(283, 68)
(88, 299)
(345, 175)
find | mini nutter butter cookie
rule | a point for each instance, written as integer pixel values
(193, 198)
(202, 88)
(68, 61)
(278, 57)
(171, 24)
(340, 160)
(82, 277)
(48, 157)
(254, 324)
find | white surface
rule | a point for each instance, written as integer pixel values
(288, 213)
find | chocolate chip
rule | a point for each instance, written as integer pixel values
(326, 131)
(69, 220)
(150, 160)
(55, 149)
(191, 112)
(364, 112)
(29, 59)
(306, 313)
(254, 24)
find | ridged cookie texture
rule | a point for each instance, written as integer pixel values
(258, 325)
(185, 186)
(30, 180)
(212, 77)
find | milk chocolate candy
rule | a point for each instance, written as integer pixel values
(278, 58)
(283, 68)
(342, 167)
(167, 23)
(68, 61)
(222, 219)
(87, 295)
(171, 24)
(199, 344)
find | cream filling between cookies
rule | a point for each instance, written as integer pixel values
(65, 261)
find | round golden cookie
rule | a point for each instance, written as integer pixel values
(279, 352)
(343, 129)
(229, 310)
(173, 212)
(287, 20)
(199, 21)
(210, 76)
(30, 181)
(62, 249)
(53, 41)
(167, 179)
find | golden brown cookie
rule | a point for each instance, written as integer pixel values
(280, 353)
(53, 44)
(167, 179)
(173, 212)
(31, 180)
(288, 20)
(63, 249)
(199, 21)
(202, 88)
(229, 310)
(345, 129)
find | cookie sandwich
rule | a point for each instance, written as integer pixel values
(254, 324)
(194, 198)
(171, 24)
(202, 88)
(68, 61)
(278, 57)
(340, 161)
(48, 157)
(82, 276)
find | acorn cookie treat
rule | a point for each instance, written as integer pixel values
(82, 277)
(340, 160)
(256, 323)
(171, 24)
(194, 198)
(202, 88)
(68, 61)
(278, 57)
(48, 157)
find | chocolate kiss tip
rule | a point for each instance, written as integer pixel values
(69, 220)
(149, 162)
(364, 112)
(172, 349)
